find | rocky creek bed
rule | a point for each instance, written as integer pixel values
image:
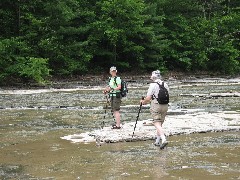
(187, 123)
(181, 120)
(38, 126)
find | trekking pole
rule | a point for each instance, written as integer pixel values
(105, 113)
(114, 121)
(106, 107)
(137, 117)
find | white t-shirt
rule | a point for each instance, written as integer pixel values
(154, 88)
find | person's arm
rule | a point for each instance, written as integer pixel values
(146, 100)
(118, 87)
(107, 88)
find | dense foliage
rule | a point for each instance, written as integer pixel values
(39, 38)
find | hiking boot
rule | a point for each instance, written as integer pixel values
(164, 144)
(116, 127)
(157, 144)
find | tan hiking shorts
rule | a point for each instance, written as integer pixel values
(115, 103)
(158, 111)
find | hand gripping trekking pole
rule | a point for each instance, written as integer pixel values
(137, 117)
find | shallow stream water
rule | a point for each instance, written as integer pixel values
(32, 123)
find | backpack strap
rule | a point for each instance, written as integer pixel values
(153, 96)
(160, 85)
(115, 80)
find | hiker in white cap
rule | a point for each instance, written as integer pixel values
(113, 89)
(158, 108)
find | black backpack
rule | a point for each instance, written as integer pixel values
(163, 96)
(124, 89)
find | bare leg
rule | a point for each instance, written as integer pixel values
(159, 128)
(117, 117)
(160, 131)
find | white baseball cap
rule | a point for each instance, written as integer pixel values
(113, 68)
(156, 75)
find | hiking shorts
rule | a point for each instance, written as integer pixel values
(158, 111)
(115, 103)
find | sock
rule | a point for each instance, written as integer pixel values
(163, 137)
(158, 139)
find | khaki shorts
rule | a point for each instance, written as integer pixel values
(158, 111)
(115, 103)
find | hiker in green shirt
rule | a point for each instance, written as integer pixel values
(113, 89)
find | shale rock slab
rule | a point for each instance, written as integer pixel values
(199, 122)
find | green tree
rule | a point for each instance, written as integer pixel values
(119, 26)
(68, 37)
(68, 44)
(17, 44)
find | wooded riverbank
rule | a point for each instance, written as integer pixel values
(39, 39)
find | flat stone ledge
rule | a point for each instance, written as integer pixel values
(200, 122)
(233, 94)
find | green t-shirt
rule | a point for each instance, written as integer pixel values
(112, 84)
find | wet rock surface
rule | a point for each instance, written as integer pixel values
(200, 122)
(214, 103)
(35, 123)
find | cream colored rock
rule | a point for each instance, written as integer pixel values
(198, 122)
